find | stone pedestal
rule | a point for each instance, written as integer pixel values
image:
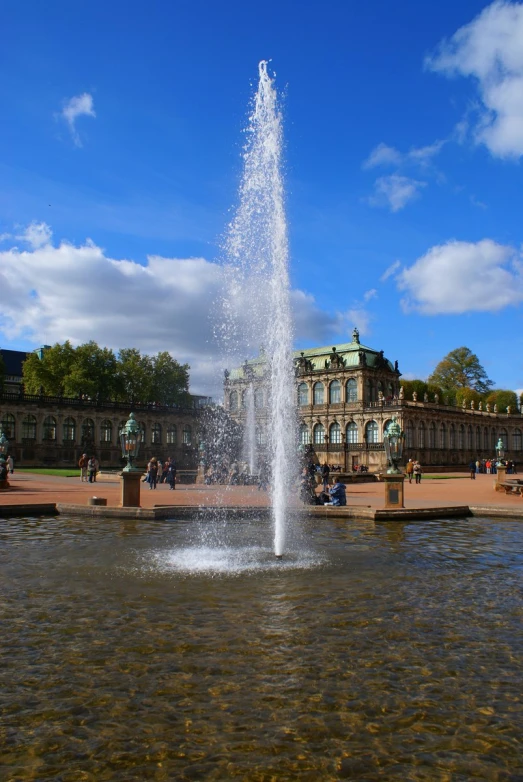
(200, 475)
(501, 473)
(130, 489)
(393, 490)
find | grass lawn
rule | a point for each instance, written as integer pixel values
(50, 471)
(444, 477)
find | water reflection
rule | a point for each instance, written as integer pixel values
(377, 652)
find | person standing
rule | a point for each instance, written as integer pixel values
(82, 464)
(325, 472)
(171, 475)
(417, 471)
(91, 469)
(10, 464)
(410, 470)
(472, 468)
(153, 473)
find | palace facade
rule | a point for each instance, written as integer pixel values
(347, 394)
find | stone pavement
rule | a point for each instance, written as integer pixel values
(29, 489)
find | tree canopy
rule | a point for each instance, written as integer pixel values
(461, 368)
(99, 374)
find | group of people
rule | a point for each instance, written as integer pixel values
(7, 467)
(89, 468)
(413, 470)
(161, 472)
(334, 493)
(490, 467)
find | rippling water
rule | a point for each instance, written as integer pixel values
(141, 651)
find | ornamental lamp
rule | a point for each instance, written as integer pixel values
(393, 440)
(500, 451)
(4, 446)
(131, 438)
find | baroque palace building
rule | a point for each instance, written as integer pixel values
(347, 394)
(56, 431)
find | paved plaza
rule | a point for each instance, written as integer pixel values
(455, 490)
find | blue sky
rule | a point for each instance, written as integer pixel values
(120, 157)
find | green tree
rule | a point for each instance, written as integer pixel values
(93, 373)
(135, 374)
(48, 373)
(468, 395)
(503, 399)
(461, 369)
(170, 380)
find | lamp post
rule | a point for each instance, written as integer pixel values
(501, 468)
(393, 440)
(4, 450)
(131, 439)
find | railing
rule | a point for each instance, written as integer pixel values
(19, 397)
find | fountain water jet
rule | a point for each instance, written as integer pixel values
(250, 430)
(258, 286)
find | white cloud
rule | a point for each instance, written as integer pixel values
(490, 50)
(78, 106)
(383, 155)
(395, 191)
(370, 294)
(389, 271)
(52, 293)
(459, 277)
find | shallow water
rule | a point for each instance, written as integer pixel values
(141, 651)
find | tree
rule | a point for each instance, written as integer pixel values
(421, 387)
(503, 399)
(49, 373)
(461, 369)
(170, 380)
(93, 373)
(468, 395)
(135, 374)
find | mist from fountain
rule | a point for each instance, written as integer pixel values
(257, 304)
(249, 434)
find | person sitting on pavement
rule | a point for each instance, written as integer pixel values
(337, 494)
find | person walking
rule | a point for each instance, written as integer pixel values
(472, 468)
(325, 472)
(10, 464)
(153, 473)
(417, 472)
(91, 469)
(171, 475)
(82, 464)
(410, 470)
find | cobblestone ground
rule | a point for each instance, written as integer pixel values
(455, 489)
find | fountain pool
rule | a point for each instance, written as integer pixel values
(389, 651)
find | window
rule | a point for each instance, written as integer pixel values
(318, 393)
(442, 436)
(432, 435)
(69, 429)
(485, 439)
(504, 438)
(171, 434)
(7, 424)
(305, 435)
(259, 436)
(156, 434)
(469, 438)
(461, 437)
(233, 401)
(371, 432)
(516, 440)
(29, 428)
(88, 429)
(335, 432)
(49, 429)
(421, 434)
(386, 424)
(187, 434)
(351, 390)
(258, 398)
(452, 436)
(319, 434)
(478, 439)
(409, 435)
(335, 392)
(352, 432)
(369, 391)
(106, 431)
(303, 394)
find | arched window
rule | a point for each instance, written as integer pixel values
(478, 439)
(156, 434)
(461, 437)
(171, 434)
(187, 435)
(517, 443)
(258, 398)
(260, 436)
(335, 433)
(335, 392)
(318, 393)
(380, 388)
(409, 434)
(7, 424)
(371, 432)
(390, 394)
(493, 440)
(452, 436)
(233, 401)
(245, 399)
(351, 432)
(29, 428)
(88, 429)
(351, 390)
(141, 424)
(485, 439)
(305, 435)
(319, 434)
(504, 438)
(49, 428)
(303, 394)
(469, 438)
(385, 424)
(432, 435)
(369, 390)
(421, 434)
(69, 429)
(442, 436)
(106, 431)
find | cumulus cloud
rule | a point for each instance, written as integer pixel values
(50, 293)
(383, 155)
(395, 191)
(390, 270)
(490, 50)
(459, 277)
(78, 106)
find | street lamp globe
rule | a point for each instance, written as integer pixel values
(131, 438)
(393, 440)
